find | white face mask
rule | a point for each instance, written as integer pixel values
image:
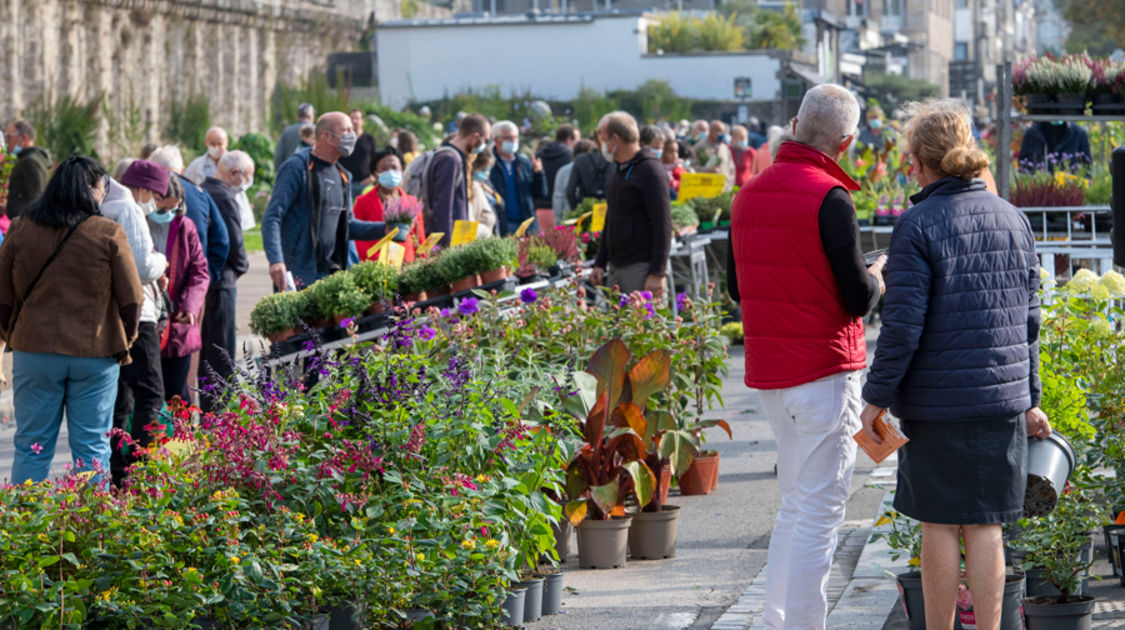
(246, 185)
(148, 207)
(215, 152)
(606, 153)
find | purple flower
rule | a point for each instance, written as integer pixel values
(625, 299)
(347, 323)
(426, 333)
(646, 295)
(445, 312)
(468, 306)
(650, 309)
(528, 296)
(681, 301)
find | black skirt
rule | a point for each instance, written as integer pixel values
(963, 473)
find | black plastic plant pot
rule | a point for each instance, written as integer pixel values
(1048, 614)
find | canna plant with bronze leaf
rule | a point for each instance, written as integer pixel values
(610, 466)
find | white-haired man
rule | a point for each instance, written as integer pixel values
(218, 330)
(201, 209)
(205, 166)
(797, 268)
(518, 179)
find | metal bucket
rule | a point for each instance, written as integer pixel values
(1050, 461)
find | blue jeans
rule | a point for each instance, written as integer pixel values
(43, 385)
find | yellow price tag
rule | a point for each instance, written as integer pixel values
(431, 240)
(704, 185)
(394, 256)
(597, 223)
(378, 247)
(578, 222)
(463, 232)
(524, 227)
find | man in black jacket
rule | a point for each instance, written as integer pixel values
(555, 156)
(1053, 146)
(235, 174)
(588, 177)
(638, 226)
(33, 165)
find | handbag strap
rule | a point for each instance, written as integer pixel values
(173, 238)
(50, 259)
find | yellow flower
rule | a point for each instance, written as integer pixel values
(1114, 283)
(413, 502)
(1099, 292)
(469, 543)
(492, 543)
(391, 531)
(482, 478)
(1044, 276)
(105, 595)
(313, 538)
(420, 557)
(234, 560)
(915, 562)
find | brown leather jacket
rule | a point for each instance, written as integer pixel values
(88, 301)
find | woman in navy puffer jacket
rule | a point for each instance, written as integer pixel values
(958, 362)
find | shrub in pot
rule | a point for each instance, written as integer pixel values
(337, 296)
(276, 316)
(700, 475)
(455, 267)
(905, 541)
(378, 281)
(610, 465)
(495, 257)
(419, 279)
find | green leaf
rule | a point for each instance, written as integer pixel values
(71, 558)
(48, 561)
(678, 447)
(650, 375)
(605, 496)
(644, 481)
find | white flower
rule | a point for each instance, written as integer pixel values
(1082, 282)
(1114, 283)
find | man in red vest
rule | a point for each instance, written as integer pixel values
(798, 271)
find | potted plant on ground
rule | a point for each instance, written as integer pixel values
(338, 297)
(905, 541)
(684, 219)
(276, 316)
(378, 281)
(456, 267)
(1057, 544)
(610, 466)
(495, 258)
(399, 216)
(701, 473)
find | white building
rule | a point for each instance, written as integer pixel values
(555, 56)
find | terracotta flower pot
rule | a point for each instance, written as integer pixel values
(715, 472)
(699, 478)
(464, 284)
(279, 337)
(665, 483)
(376, 307)
(495, 275)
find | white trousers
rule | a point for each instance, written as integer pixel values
(814, 424)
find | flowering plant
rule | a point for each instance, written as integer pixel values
(402, 210)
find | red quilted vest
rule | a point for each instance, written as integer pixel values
(796, 327)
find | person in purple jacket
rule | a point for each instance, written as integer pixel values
(175, 236)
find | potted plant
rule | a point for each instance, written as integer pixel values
(1053, 86)
(399, 216)
(378, 281)
(535, 259)
(701, 475)
(421, 280)
(338, 297)
(495, 258)
(610, 465)
(905, 541)
(684, 219)
(456, 267)
(1058, 545)
(276, 316)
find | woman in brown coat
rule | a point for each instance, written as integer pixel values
(70, 303)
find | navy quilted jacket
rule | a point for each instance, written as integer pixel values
(960, 335)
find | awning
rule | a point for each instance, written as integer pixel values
(807, 74)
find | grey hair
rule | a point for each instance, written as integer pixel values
(120, 168)
(504, 125)
(169, 157)
(829, 113)
(306, 111)
(236, 161)
(776, 136)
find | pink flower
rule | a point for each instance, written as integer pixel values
(37, 448)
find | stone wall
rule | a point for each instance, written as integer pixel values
(146, 54)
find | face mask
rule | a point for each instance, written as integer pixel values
(246, 185)
(479, 148)
(701, 136)
(875, 124)
(215, 152)
(390, 179)
(742, 144)
(346, 144)
(480, 176)
(509, 147)
(16, 150)
(394, 142)
(724, 138)
(606, 152)
(162, 216)
(656, 153)
(148, 207)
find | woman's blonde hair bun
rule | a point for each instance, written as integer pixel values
(940, 134)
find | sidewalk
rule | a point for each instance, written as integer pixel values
(252, 287)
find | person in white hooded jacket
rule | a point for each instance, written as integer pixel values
(140, 389)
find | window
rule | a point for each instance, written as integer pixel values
(961, 4)
(892, 7)
(857, 8)
(960, 51)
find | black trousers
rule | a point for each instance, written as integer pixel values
(140, 393)
(218, 333)
(176, 371)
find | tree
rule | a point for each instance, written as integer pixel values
(771, 29)
(1098, 26)
(894, 89)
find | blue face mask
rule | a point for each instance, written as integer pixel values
(724, 138)
(390, 179)
(480, 176)
(702, 135)
(656, 153)
(509, 147)
(16, 150)
(742, 144)
(162, 216)
(875, 123)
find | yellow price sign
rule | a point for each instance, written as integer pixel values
(378, 247)
(704, 185)
(394, 255)
(431, 240)
(578, 222)
(597, 222)
(463, 232)
(522, 230)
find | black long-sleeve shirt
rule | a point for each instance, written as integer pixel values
(839, 233)
(638, 223)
